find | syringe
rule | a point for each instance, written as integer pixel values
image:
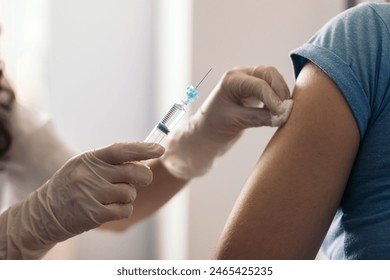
(170, 119)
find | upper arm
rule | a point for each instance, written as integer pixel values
(289, 201)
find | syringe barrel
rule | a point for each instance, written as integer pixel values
(156, 136)
(164, 127)
(173, 116)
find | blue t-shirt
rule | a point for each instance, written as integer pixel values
(353, 49)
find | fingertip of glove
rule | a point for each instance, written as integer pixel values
(157, 149)
(153, 150)
(121, 211)
(286, 108)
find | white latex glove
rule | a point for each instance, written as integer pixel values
(245, 97)
(89, 190)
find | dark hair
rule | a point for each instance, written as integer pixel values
(7, 99)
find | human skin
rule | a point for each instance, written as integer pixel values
(290, 199)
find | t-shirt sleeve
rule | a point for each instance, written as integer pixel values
(353, 50)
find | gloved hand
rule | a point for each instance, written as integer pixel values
(89, 190)
(246, 97)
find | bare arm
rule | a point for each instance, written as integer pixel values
(288, 203)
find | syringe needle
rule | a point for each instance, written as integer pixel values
(203, 78)
(164, 127)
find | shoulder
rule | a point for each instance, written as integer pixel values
(362, 17)
(353, 50)
(358, 32)
(362, 31)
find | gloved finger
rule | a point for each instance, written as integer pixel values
(117, 193)
(95, 214)
(247, 117)
(139, 174)
(116, 211)
(254, 117)
(244, 87)
(125, 152)
(135, 173)
(272, 76)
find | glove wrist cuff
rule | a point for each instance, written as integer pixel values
(189, 152)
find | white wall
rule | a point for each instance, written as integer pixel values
(230, 33)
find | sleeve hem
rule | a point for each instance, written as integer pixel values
(341, 74)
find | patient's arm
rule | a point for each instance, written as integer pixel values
(289, 201)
